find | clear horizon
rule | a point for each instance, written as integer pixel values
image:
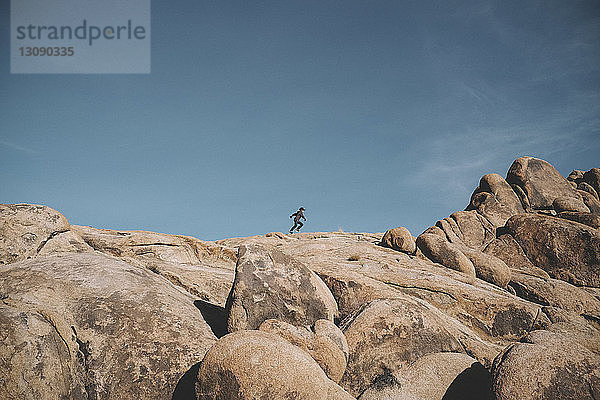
(371, 116)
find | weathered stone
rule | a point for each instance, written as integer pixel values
(576, 176)
(447, 375)
(84, 325)
(451, 231)
(589, 219)
(561, 204)
(329, 356)
(271, 285)
(65, 242)
(495, 200)
(586, 187)
(327, 328)
(26, 228)
(388, 334)
(203, 269)
(248, 365)
(487, 267)
(506, 248)
(472, 228)
(581, 328)
(590, 201)
(540, 182)
(546, 366)
(522, 197)
(592, 178)
(297, 335)
(435, 230)
(441, 251)
(491, 312)
(399, 239)
(554, 292)
(327, 345)
(386, 387)
(566, 250)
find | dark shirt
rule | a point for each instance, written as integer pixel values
(297, 215)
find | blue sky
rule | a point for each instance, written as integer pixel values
(369, 114)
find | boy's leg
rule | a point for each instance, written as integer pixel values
(300, 225)
(293, 227)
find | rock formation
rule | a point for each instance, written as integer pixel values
(248, 365)
(89, 326)
(500, 300)
(270, 284)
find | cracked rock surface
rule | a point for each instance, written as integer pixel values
(89, 326)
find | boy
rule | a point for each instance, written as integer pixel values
(297, 224)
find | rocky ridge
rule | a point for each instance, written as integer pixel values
(477, 303)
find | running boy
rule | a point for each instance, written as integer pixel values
(297, 224)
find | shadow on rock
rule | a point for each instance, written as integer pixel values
(474, 383)
(185, 389)
(214, 316)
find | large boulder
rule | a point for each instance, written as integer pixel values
(203, 269)
(546, 366)
(440, 376)
(65, 242)
(86, 325)
(399, 239)
(561, 204)
(269, 284)
(26, 228)
(441, 251)
(327, 344)
(495, 199)
(592, 178)
(589, 219)
(473, 229)
(465, 259)
(540, 182)
(586, 187)
(556, 293)
(566, 250)
(590, 200)
(436, 376)
(581, 328)
(388, 334)
(249, 365)
(492, 313)
(506, 248)
(488, 267)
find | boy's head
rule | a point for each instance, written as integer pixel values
(301, 208)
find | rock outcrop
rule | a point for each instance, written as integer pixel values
(387, 335)
(201, 268)
(565, 249)
(399, 239)
(436, 376)
(541, 183)
(269, 284)
(26, 229)
(89, 326)
(547, 366)
(443, 252)
(248, 365)
(495, 200)
(327, 344)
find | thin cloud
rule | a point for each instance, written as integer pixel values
(17, 147)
